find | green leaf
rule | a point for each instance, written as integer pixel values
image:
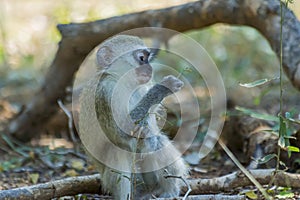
(257, 82)
(290, 137)
(11, 145)
(293, 149)
(282, 164)
(285, 195)
(266, 159)
(281, 142)
(282, 128)
(293, 120)
(256, 114)
(8, 141)
(77, 164)
(251, 195)
(34, 177)
(70, 173)
(280, 188)
(6, 165)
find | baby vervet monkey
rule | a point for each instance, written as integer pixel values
(134, 158)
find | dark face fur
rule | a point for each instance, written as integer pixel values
(144, 70)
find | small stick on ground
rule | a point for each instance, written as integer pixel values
(70, 120)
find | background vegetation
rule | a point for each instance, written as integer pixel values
(29, 38)
(28, 41)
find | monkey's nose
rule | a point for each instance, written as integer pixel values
(146, 68)
(143, 73)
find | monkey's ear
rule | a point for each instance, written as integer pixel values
(104, 56)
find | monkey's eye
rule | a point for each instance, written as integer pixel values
(142, 56)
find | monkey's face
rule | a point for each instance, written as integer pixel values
(126, 54)
(143, 71)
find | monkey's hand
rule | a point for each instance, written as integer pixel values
(172, 83)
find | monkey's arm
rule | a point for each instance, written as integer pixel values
(155, 95)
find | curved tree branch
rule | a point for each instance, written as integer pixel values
(91, 184)
(79, 39)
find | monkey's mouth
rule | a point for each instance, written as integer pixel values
(143, 73)
(143, 78)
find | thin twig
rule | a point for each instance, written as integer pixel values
(244, 170)
(70, 119)
(185, 182)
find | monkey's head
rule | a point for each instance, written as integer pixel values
(122, 53)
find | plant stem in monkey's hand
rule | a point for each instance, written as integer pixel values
(154, 96)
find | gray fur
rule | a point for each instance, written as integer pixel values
(130, 185)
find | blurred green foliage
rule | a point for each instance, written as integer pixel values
(28, 40)
(241, 53)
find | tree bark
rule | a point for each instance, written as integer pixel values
(92, 184)
(79, 39)
(55, 189)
